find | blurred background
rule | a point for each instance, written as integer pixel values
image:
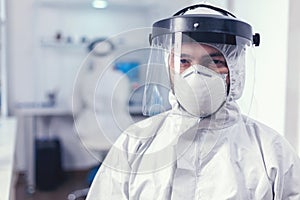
(45, 48)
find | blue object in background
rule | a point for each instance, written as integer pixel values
(92, 173)
(130, 69)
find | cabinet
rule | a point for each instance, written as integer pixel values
(8, 175)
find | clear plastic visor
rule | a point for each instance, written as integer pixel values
(172, 54)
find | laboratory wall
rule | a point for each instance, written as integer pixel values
(48, 45)
(292, 119)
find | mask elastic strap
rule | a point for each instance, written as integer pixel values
(220, 10)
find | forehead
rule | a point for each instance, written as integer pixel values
(198, 49)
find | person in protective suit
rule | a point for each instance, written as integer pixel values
(202, 148)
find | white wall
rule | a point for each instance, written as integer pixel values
(35, 69)
(166, 9)
(292, 119)
(20, 50)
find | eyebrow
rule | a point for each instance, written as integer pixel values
(186, 55)
(212, 55)
(216, 54)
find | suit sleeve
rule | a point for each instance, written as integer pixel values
(287, 178)
(111, 180)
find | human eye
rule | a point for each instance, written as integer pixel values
(185, 63)
(219, 63)
(216, 64)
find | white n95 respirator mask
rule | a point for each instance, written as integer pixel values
(200, 91)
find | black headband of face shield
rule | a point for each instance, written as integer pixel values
(223, 28)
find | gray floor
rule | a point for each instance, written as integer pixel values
(74, 180)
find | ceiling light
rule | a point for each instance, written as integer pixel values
(99, 4)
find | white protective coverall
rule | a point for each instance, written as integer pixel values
(176, 155)
(243, 160)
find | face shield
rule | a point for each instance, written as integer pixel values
(200, 59)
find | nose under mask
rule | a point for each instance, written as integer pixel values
(200, 91)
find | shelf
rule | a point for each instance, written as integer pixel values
(55, 44)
